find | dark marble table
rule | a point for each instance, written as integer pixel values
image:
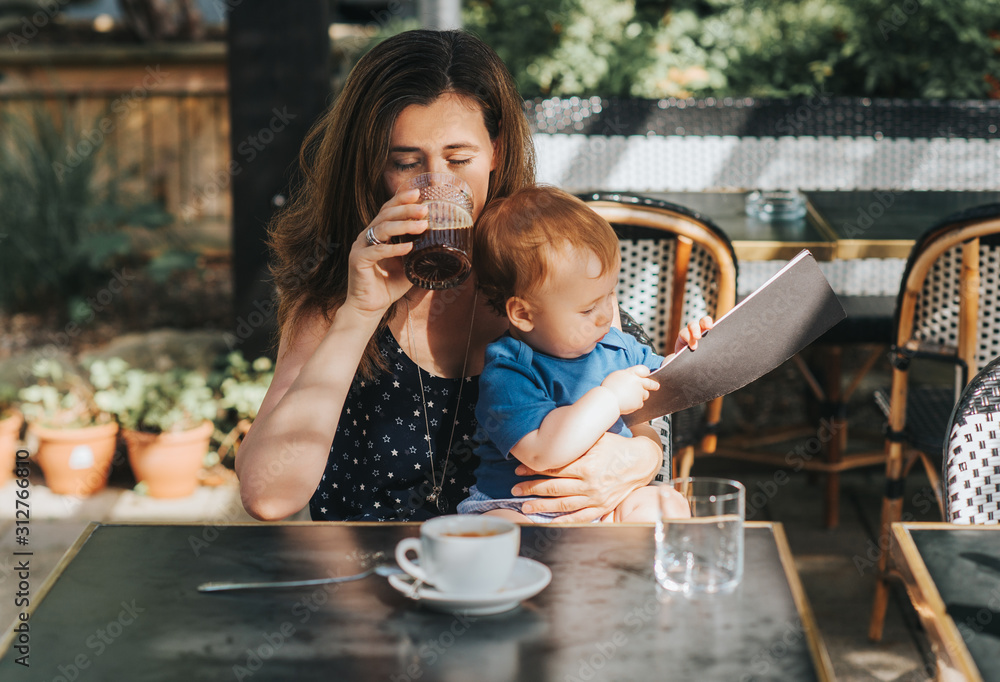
(952, 576)
(124, 607)
(846, 225)
(885, 224)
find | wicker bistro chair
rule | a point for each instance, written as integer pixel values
(972, 453)
(947, 310)
(676, 267)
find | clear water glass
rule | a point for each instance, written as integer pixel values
(703, 552)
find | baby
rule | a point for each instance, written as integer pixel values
(563, 375)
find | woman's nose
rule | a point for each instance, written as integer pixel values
(437, 166)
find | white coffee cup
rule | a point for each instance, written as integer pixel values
(462, 553)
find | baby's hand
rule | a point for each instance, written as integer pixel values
(630, 387)
(692, 332)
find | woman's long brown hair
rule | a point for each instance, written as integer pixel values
(344, 155)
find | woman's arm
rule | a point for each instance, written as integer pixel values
(597, 482)
(282, 457)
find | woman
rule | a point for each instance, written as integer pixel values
(398, 364)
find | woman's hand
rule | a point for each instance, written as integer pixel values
(376, 278)
(596, 483)
(692, 332)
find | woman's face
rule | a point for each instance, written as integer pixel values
(446, 136)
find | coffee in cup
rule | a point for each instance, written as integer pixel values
(462, 553)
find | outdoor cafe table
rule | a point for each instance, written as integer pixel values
(841, 224)
(952, 576)
(123, 605)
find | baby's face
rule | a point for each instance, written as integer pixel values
(574, 309)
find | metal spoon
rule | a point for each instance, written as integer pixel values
(380, 569)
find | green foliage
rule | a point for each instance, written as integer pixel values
(702, 48)
(60, 397)
(172, 400)
(243, 384)
(63, 219)
(8, 399)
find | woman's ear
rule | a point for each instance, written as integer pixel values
(519, 314)
(493, 160)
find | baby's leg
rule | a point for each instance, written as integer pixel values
(641, 506)
(644, 505)
(509, 514)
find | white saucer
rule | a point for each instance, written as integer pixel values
(526, 580)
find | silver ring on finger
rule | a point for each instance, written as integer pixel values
(371, 238)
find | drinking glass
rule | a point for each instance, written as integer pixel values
(702, 552)
(442, 256)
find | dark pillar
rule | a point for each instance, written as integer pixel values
(279, 83)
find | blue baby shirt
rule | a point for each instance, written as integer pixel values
(519, 386)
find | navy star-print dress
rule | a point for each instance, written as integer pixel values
(378, 468)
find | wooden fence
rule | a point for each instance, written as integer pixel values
(159, 120)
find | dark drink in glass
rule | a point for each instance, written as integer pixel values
(442, 256)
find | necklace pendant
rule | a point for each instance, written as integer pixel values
(435, 498)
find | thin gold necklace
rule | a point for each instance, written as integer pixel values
(435, 497)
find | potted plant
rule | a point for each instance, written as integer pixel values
(76, 439)
(10, 431)
(242, 386)
(166, 419)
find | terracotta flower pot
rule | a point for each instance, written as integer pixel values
(10, 429)
(168, 463)
(76, 461)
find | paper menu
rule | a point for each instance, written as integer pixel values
(787, 313)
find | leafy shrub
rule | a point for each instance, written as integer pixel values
(702, 48)
(63, 218)
(60, 397)
(173, 400)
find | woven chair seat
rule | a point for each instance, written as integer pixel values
(972, 455)
(676, 267)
